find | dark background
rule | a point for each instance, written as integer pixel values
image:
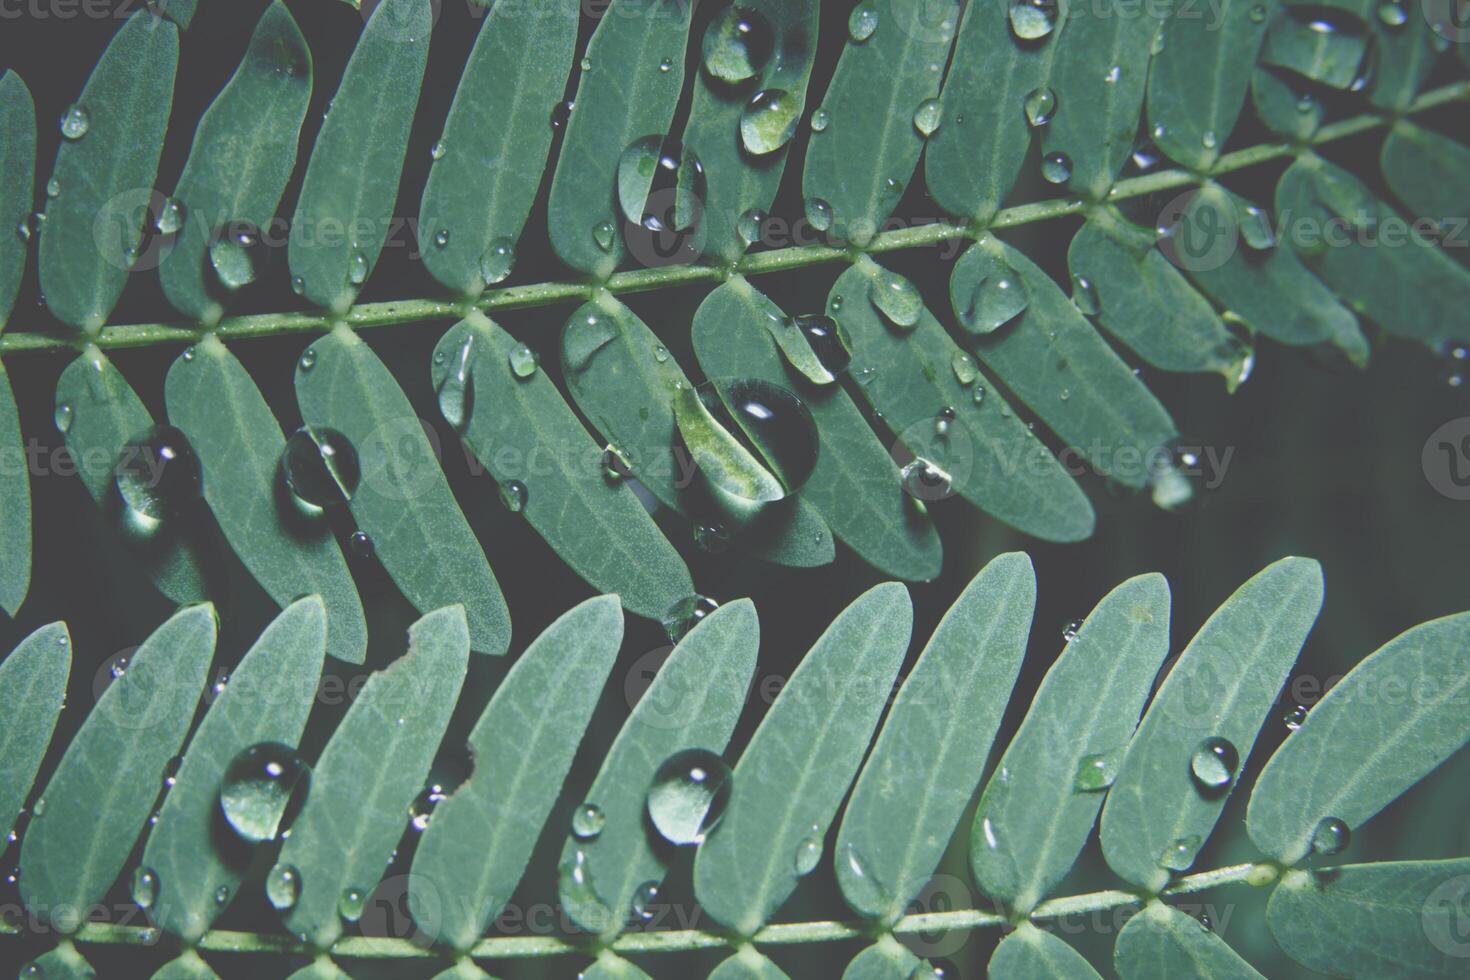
(1326, 463)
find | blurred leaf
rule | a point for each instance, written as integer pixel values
(1162, 941)
(527, 436)
(1030, 953)
(103, 178)
(188, 966)
(496, 141)
(243, 154)
(1286, 103)
(345, 210)
(61, 963)
(1402, 919)
(884, 960)
(33, 680)
(18, 191)
(15, 505)
(191, 851)
(1297, 40)
(1429, 173)
(1405, 55)
(368, 776)
(800, 762)
(478, 842)
(1396, 716)
(97, 800)
(1224, 685)
(403, 502)
(748, 964)
(694, 702)
(239, 443)
(931, 752)
(1037, 810)
(611, 967)
(861, 161)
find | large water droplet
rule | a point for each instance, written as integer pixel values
(688, 795)
(998, 298)
(587, 821)
(768, 121)
(75, 122)
(1040, 105)
(1032, 19)
(523, 362)
(263, 789)
(924, 481)
(686, 614)
(1097, 771)
(1056, 168)
(896, 298)
(145, 887)
(750, 226)
(819, 214)
(645, 901)
(1179, 854)
(737, 44)
(498, 261)
(616, 465)
(350, 903)
(456, 389)
(863, 21)
(928, 116)
(604, 233)
(1295, 718)
(157, 476)
(1213, 766)
(661, 186)
(320, 469)
(1255, 229)
(808, 853)
(357, 269)
(965, 371)
(828, 341)
(283, 886)
(1331, 836)
(513, 496)
(820, 119)
(721, 421)
(234, 253)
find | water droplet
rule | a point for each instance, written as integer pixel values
(1070, 631)
(768, 121)
(513, 496)
(350, 904)
(523, 361)
(1040, 105)
(437, 151)
(1205, 922)
(820, 119)
(1392, 15)
(688, 795)
(1213, 766)
(53, 187)
(1305, 103)
(1295, 717)
(750, 226)
(713, 539)
(222, 896)
(964, 368)
(925, 481)
(1032, 19)
(157, 476)
(928, 116)
(320, 469)
(1255, 229)
(1084, 295)
(282, 886)
(1179, 854)
(661, 185)
(819, 214)
(587, 821)
(1332, 836)
(1113, 74)
(586, 64)
(666, 65)
(645, 898)
(686, 614)
(441, 238)
(362, 545)
(737, 44)
(808, 853)
(75, 122)
(979, 395)
(561, 113)
(357, 269)
(1258, 13)
(264, 787)
(234, 253)
(145, 887)
(1145, 157)
(1208, 140)
(827, 340)
(998, 298)
(298, 285)
(863, 21)
(942, 421)
(1097, 771)
(170, 217)
(456, 391)
(896, 298)
(63, 416)
(498, 261)
(615, 464)
(1056, 168)
(604, 233)
(660, 353)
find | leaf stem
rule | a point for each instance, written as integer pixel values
(661, 941)
(398, 312)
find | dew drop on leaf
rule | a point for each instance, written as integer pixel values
(350, 904)
(927, 117)
(645, 898)
(362, 545)
(661, 185)
(808, 853)
(456, 390)
(604, 233)
(587, 821)
(1258, 13)
(1392, 15)
(441, 238)
(282, 886)
(768, 121)
(1331, 836)
(942, 421)
(1255, 229)
(712, 539)
(750, 226)
(222, 896)
(615, 464)
(263, 789)
(688, 796)
(898, 299)
(924, 481)
(863, 21)
(820, 118)
(828, 341)
(63, 416)
(357, 269)
(157, 476)
(1295, 717)
(1213, 765)
(498, 261)
(513, 496)
(437, 151)
(170, 217)
(819, 214)
(75, 122)
(1097, 771)
(686, 614)
(998, 298)
(234, 253)
(1040, 105)
(1032, 19)
(144, 887)
(1056, 168)
(523, 362)
(53, 188)
(561, 113)
(1070, 631)
(1084, 295)
(1179, 854)
(737, 44)
(964, 368)
(320, 469)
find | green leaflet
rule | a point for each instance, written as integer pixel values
(239, 443)
(1197, 83)
(97, 800)
(1427, 172)
(403, 502)
(855, 487)
(33, 688)
(694, 702)
(1223, 686)
(369, 774)
(243, 153)
(1164, 942)
(624, 381)
(18, 191)
(188, 966)
(1056, 363)
(1405, 56)
(736, 182)
(612, 967)
(1397, 715)
(191, 853)
(884, 960)
(1376, 260)
(748, 964)
(860, 163)
(322, 968)
(102, 180)
(1145, 302)
(61, 963)
(15, 505)
(489, 160)
(624, 93)
(994, 461)
(476, 847)
(1032, 954)
(465, 970)
(1403, 919)
(801, 760)
(1286, 103)
(1269, 289)
(526, 435)
(98, 414)
(930, 755)
(973, 160)
(181, 12)
(1333, 58)
(1033, 817)
(1098, 75)
(345, 210)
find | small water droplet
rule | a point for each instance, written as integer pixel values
(587, 821)
(53, 187)
(1295, 717)
(1208, 140)
(320, 469)
(1255, 229)
(145, 887)
(513, 496)
(1213, 766)
(523, 361)
(170, 217)
(1040, 105)
(808, 853)
(63, 416)
(820, 119)
(350, 904)
(645, 899)
(965, 371)
(157, 476)
(222, 896)
(688, 796)
(1392, 15)
(1056, 168)
(928, 116)
(234, 253)
(1032, 20)
(979, 395)
(942, 421)
(586, 64)
(924, 481)
(713, 539)
(1205, 922)
(1258, 13)
(456, 391)
(1113, 74)
(1097, 771)
(604, 233)
(498, 261)
(441, 238)
(362, 545)
(615, 464)
(357, 269)
(1179, 854)
(686, 614)
(1084, 295)
(561, 113)
(1332, 836)
(666, 65)
(768, 121)
(263, 788)
(898, 299)
(661, 184)
(737, 44)
(863, 21)
(660, 353)
(75, 122)
(750, 226)
(437, 151)
(298, 285)
(819, 214)
(1070, 631)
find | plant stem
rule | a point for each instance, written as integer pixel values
(661, 941)
(399, 312)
